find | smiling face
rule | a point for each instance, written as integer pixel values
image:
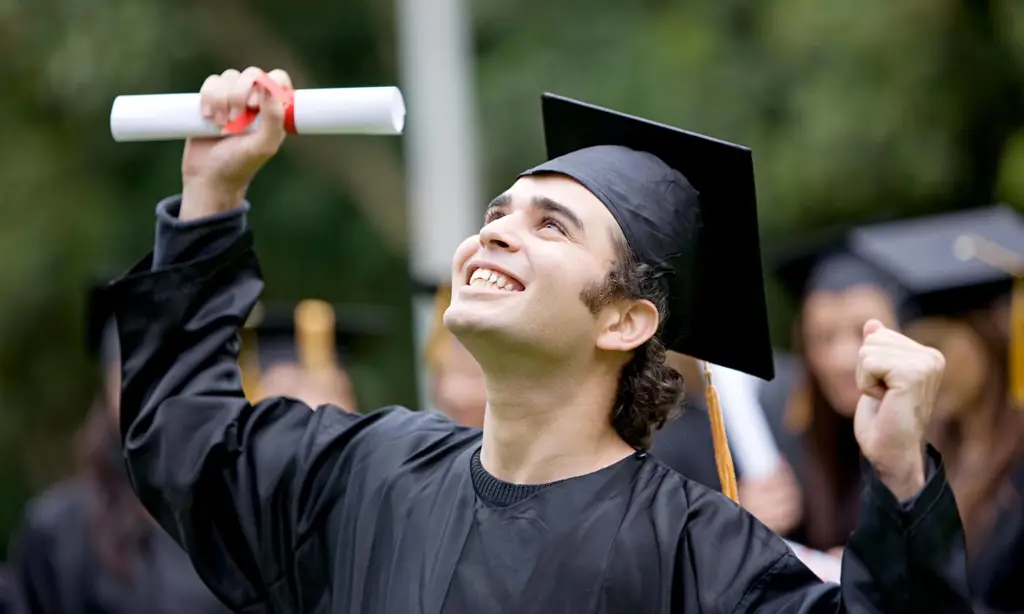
(518, 283)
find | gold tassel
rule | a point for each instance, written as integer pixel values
(438, 338)
(315, 335)
(723, 457)
(968, 247)
(249, 355)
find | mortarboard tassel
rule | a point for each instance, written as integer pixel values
(723, 457)
(249, 356)
(973, 247)
(314, 331)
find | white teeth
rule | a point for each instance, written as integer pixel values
(485, 278)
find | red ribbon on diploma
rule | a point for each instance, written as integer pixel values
(285, 95)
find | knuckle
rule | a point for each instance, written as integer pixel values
(280, 76)
(252, 71)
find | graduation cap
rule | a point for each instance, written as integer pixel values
(686, 205)
(825, 262)
(954, 263)
(312, 334)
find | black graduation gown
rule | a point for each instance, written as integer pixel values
(996, 569)
(685, 445)
(288, 510)
(57, 570)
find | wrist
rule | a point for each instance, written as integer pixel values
(204, 198)
(903, 478)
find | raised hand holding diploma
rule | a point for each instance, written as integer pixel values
(216, 172)
(898, 379)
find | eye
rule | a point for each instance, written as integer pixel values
(492, 215)
(550, 222)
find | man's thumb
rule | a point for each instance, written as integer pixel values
(872, 326)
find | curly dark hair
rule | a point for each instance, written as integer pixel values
(650, 391)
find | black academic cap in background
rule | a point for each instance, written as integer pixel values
(949, 263)
(687, 207)
(955, 263)
(311, 332)
(824, 262)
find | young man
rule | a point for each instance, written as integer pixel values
(554, 506)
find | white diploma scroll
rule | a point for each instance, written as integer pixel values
(827, 567)
(750, 437)
(168, 117)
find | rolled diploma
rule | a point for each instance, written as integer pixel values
(825, 566)
(750, 437)
(167, 117)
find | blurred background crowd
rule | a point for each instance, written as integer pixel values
(888, 142)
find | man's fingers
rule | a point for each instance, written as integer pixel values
(281, 78)
(206, 95)
(241, 90)
(872, 326)
(871, 372)
(214, 96)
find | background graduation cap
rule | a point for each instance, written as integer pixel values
(687, 207)
(312, 334)
(954, 263)
(825, 261)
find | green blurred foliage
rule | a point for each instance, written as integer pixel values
(855, 111)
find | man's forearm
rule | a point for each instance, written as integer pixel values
(201, 200)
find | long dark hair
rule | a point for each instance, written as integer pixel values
(118, 525)
(981, 491)
(833, 478)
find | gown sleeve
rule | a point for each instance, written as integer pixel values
(35, 571)
(243, 488)
(903, 558)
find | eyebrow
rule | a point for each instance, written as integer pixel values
(542, 203)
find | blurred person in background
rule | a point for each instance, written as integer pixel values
(456, 379)
(960, 270)
(87, 546)
(685, 443)
(297, 353)
(813, 496)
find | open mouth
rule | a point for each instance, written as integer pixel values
(484, 277)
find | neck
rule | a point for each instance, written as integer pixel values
(546, 426)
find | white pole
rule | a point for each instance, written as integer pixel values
(442, 169)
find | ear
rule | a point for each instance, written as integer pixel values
(627, 325)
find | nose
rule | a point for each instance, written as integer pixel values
(845, 351)
(503, 233)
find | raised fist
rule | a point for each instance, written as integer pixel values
(898, 379)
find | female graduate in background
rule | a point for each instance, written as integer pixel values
(812, 497)
(87, 546)
(964, 309)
